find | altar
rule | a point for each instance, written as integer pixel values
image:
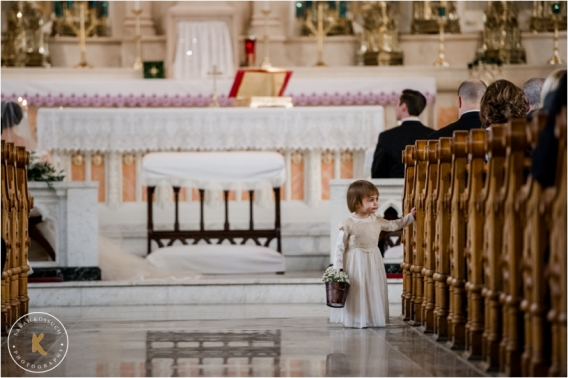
(107, 145)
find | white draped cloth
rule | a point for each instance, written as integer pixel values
(202, 45)
(352, 128)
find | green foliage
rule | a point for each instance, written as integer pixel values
(43, 171)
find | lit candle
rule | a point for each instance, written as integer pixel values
(69, 5)
(299, 9)
(266, 5)
(136, 5)
(442, 11)
(58, 8)
(342, 9)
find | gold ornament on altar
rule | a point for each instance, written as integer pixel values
(128, 159)
(68, 13)
(442, 22)
(296, 157)
(543, 16)
(426, 16)
(556, 59)
(328, 21)
(25, 44)
(98, 159)
(379, 39)
(77, 160)
(327, 158)
(85, 25)
(501, 36)
(346, 157)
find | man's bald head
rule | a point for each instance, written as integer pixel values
(470, 93)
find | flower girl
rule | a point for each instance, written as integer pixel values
(356, 252)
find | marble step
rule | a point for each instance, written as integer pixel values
(264, 289)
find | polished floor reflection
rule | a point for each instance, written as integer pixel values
(236, 340)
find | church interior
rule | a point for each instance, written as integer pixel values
(174, 174)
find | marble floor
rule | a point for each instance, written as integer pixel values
(239, 340)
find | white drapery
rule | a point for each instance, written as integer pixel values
(202, 45)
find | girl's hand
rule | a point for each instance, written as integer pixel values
(413, 212)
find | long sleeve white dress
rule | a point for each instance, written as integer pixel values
(357, 253)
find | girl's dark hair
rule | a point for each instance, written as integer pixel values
(357, 191)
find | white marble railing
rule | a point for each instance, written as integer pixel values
(390, 194)
(72, 208)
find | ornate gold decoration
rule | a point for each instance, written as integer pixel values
(335, 20)
(378, 44)
(77, 160)
(97, 159)
(326, 20)
(425, 15)
(214, 73)
(441, 61)
(555, 59)
(83, 28)
(297, 157)
(138, 39)
(542, 19)
(346, 157)
(25, 41)
(67, 13)
(501, 37)
(327, 158)
(128, 159)
(266, 60)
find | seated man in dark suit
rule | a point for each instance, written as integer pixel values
(470, 93)
(387, 161)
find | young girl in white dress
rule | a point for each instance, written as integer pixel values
(356, 252)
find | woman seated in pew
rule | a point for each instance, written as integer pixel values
(15, 128)
(502, 102)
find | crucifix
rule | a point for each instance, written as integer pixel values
(215, 73)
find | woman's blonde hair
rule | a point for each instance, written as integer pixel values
(357, 191)
(501, 102)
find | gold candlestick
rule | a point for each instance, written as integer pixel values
(320, 32)
(82, 32)
(138, 39)
(266, 61)
(555, 59)
(215, 73)
(441, 61)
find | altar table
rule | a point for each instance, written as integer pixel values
(318, 143)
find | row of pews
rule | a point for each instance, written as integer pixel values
(16, 206)
(485, 263)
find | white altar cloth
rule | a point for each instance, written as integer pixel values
(354, 128)
(305, 91)
(224, 168)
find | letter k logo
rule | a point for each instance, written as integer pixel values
(36, 347)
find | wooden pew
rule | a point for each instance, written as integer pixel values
(442, 238)
(427, 198)
(493, 243)
(16, 204)
(511, 346)
(420, 162)
(476, 145)
(554, 207)
(408, 203)
(535, 359)
(22, 162)
(456, 281)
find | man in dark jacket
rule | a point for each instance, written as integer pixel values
(470, 93)
(387, 161)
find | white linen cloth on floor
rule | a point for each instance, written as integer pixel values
(352, 128)
(200, 169)
(202, 45)
(367, 303)
(218, 259)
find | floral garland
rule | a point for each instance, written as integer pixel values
(43, 171)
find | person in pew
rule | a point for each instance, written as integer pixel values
(470, 93)
(532, 88)
(387, 160)
(356, 249)
(543, 165)
(501, 102)
(15, 128)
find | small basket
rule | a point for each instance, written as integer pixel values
(336, 293)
